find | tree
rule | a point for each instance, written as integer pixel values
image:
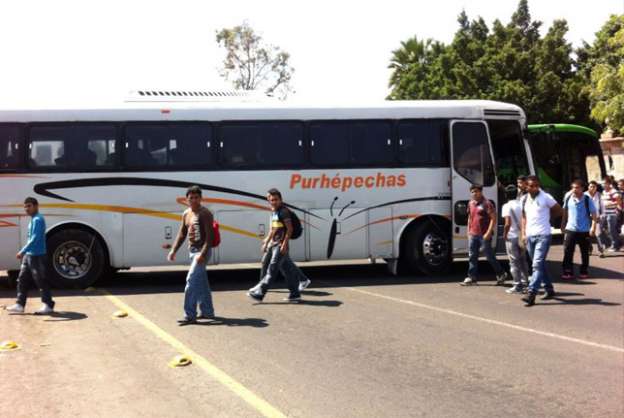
(510, 63)
(252, 64)
(603, 64)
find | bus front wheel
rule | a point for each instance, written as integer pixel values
(428, 249)
(77, 257)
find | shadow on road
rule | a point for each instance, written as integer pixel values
(64, 316)
(235, 322)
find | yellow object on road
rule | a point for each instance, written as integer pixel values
(8, 346)
(120, 314)
(180, 361)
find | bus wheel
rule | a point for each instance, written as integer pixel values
(78, 258)
(428, 249)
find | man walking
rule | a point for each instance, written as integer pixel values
(197, 224)
(481, 224)
(516, 251)
(275, 249)
(578, 223)
(611, 198)
(34, 262)
(596, 197)
(537, 209)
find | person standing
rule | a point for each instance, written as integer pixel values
(596, 197)
(275, 252)
(516, 251)
(197, 224)
(521, 184)
(611, 198)
(34, 262)
(578, 223)
(481, 224)
(537, 209)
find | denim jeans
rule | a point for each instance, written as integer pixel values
(477, 244)
(517, 262)
(610, 234)
(273, 261)
(197, 290)
(34, 270)
(538, 246)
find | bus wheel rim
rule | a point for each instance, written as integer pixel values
(434, 249)
(72, 260)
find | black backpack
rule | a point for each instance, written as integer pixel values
(296, 224)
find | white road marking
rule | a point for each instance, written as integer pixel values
(491, 321)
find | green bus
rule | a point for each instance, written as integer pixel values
(563, 152)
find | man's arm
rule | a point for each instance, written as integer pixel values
(507, 227)
(182, 232)
(492, 224)
(287, 235)
(556, 210)
(564, 218)
(206, 219)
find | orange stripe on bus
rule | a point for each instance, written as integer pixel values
(379, 221)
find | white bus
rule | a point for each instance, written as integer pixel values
(389, 180)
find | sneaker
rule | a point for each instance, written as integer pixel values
(304, 284)
(602, 255)
(293, 299)
(44, 310)
(529, 299)
(255, 296)
(584, 276)
(202, 316)
(548, 295)
(500, 279)
(567, 276)
(611, 250)
(514, 290)
(15, 309)
(468, 281)
(186, 321)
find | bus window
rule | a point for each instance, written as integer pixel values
(371, 143)
(329, 143)
(423, 143)
(509, 152)
(11, 147)
(265, 144)
(471, 153)
(169, 145)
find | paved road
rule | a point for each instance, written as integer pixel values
(363, 343)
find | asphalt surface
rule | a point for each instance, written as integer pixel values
(362, 343)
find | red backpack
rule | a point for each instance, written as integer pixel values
(216, 235)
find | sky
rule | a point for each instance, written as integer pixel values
(92, 49)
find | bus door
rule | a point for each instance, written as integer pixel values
(471, 163)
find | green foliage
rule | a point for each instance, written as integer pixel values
(603, 64)
(251, 64)
(511, 63)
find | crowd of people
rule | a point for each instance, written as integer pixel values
(585, 215)
(527, 236)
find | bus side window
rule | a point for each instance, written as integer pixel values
(11, 147)
(422, 142)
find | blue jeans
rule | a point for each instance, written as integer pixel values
(538, 246)
(273, 262)
(477, 244)
(197, 290)
(610, 234)
(34, 271)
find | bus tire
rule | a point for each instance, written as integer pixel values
(77, 258)
(428, 249)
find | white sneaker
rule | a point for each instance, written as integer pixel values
(44, 310)
(15, 309)
(303, 285)
(514, 290)
(468, 281)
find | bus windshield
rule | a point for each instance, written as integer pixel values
(562, 153)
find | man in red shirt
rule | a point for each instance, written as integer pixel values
(481, 224)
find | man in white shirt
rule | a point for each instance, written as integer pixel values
(537, 209)
(596, 197)
(516, 251)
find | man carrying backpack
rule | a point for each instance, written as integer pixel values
(197, 224)
(275, 249)
(578, 223)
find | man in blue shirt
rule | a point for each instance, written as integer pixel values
(34, 262)
(580, 216)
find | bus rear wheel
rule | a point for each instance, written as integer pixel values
(77, 257)
(428, 249)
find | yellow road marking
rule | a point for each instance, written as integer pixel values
(219, 375)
